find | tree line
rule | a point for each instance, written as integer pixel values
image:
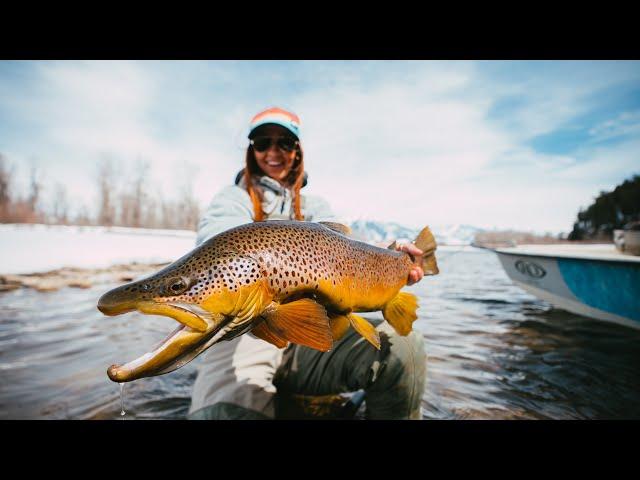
(127, 203)
(610, 211)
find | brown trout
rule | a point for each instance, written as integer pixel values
(285, 281)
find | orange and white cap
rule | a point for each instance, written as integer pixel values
(278, 116)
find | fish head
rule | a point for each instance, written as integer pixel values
(194, 291)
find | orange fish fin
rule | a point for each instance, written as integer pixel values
(364, 328)
(251, 300)
(337, 227)
(304, 322)
(339, 325)
(263, 332)
(400, 312)
(426, 242)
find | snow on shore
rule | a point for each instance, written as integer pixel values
(33, 248)
(37, 248)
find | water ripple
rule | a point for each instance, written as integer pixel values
(494, 352)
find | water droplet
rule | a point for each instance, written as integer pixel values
(122, 412)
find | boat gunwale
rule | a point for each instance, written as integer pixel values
(631, 260)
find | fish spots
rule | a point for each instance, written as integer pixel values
(293, 257)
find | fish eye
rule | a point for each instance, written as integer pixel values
(177, 285)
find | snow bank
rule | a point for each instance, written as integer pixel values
(36, 248)
(41, 248)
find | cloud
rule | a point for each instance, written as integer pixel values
(413, 142)
(83, 112)
(624, 124)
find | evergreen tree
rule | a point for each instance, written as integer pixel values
(610, 211)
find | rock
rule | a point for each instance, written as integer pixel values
(80, 283)
(7, 287)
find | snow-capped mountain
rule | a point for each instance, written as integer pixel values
(455, 234)
(375, 231)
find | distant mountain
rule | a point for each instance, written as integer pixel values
(374, 231)
(455, 234)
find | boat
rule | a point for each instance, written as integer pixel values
(594, 280)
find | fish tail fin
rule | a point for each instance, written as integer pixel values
(426, 242)
(400, 312)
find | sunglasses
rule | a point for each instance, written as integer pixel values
(261, 144)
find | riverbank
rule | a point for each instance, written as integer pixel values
(77, 277)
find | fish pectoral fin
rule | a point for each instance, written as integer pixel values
(337, 227)
(339, 325)
(304, 322)
(400, 312)
(251, 300)
(364, 328)
(263, 332)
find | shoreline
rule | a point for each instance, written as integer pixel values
(77, 277)
(87, 277)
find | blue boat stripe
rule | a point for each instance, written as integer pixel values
(609, 287)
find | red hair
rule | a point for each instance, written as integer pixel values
(293, 182)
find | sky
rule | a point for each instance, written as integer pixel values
(493, 144)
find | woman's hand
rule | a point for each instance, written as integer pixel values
(416, 273)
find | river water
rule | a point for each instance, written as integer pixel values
(494, 352)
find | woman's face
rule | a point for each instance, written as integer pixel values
(274, 161)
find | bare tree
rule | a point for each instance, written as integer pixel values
(188, 210)
(83, 218)
(138, 194)
(34, 190)
(60, 205)
(151, 218)
(167, 214)
(35, 193)
(6, 175)
(106, 189)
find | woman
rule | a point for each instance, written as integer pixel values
(240, 378)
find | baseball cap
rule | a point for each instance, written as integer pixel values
(277, 116)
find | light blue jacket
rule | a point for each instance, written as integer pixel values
(232, 206)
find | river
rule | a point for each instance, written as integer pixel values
(494, 352)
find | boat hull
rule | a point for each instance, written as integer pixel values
(600, 289)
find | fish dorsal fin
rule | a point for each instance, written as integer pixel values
(392, 245)
(339, 325)
(400, 312)
(304, 322)
(364, 328)
(263, 331)
(337, 227)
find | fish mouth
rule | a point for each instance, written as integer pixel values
(198, 330)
